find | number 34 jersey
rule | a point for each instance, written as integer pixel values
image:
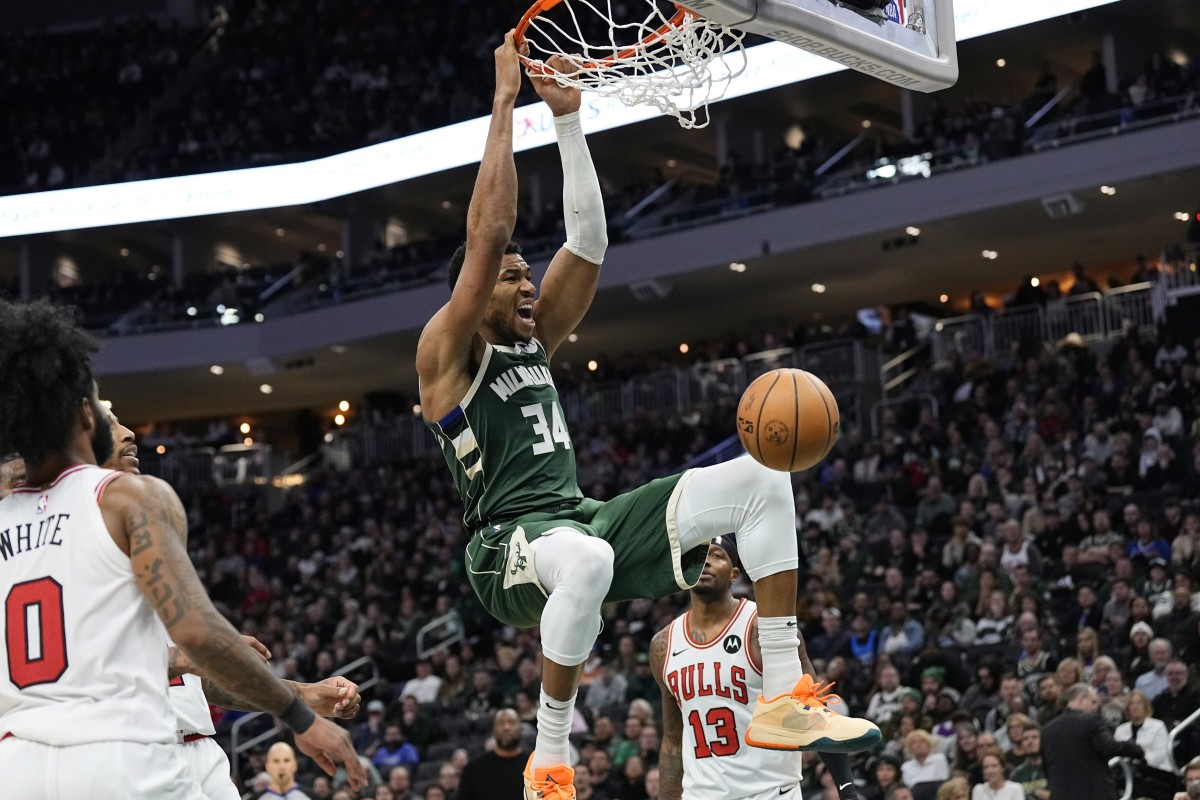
(84, 657)
(716, 685)
(507, 442)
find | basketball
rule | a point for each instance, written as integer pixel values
(787, 419)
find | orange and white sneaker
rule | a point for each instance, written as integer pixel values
(555, 783)
(802, 721)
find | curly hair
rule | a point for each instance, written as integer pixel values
(46, 361)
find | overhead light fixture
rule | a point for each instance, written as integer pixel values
(1001, 63)
(322, 247)
(990, 255)
(217, 369)
(266, 388)
(338, 348)
(339, 419)
(191, 312)
(244, 428)
(161, 449)
(1108, 190)
(672, 163)
(107, 404)
(259, 317)
(446, 205)
(818, 288)
(737, 266)
(344, 405)
(913, 230)
(340, 254)
(866, 123)
(593, 365)
(247, 441)
(945, 298)
(683, 348)
(1035, 281)
(1182, 216)
(416, 409)
(328, 438)
(279, 231)
(124, 252)
(574, 337)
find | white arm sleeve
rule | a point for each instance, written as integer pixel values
(583, 205)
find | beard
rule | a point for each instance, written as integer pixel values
(711, 591)
(102, 436)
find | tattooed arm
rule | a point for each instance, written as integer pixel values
(147, 521)
(670, 753)
(332, 697)
(756, 650)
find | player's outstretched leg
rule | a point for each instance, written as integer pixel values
(756, 503)
(576, 571)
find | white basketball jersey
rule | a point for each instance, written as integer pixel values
(83, 660)
(186, 695)
(716, 685)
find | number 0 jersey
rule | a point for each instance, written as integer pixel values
(83, 658)
(507, 442)
(190, 706)
(716, 685)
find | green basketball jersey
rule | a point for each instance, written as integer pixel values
(507, 442)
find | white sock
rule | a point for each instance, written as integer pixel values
(553, 727)
(779, 640)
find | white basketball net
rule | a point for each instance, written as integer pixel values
(676, 66)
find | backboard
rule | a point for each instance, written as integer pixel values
(910, 43)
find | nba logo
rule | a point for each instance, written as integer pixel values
(42, 502)
(895, 11)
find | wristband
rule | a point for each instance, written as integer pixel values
(297, 716)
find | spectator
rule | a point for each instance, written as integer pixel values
(996, 785)
(368, 734)
(924, 765)
(1031, 772)
(902, 638)
(281, 766)
(1076, 748)
(1146, 731)
(483, 700)
(497, 775)
(1179, 699)
(425, 686)
(395, 751)
(448, 779)
(608, 689)
(400, 783)
(1154, 682)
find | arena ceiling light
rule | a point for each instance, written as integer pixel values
(770, 66)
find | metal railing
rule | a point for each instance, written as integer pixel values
(896, 372)
(848, 366)
(1093, 317)
(450, 620)
(1173, 736)
(1127, 767)
(237, 747)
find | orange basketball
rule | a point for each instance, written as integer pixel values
(787, 419)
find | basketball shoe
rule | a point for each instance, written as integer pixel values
(555, 783)
(802, 721)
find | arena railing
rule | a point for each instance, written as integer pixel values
(1173, 738)
(456, 633)
(849, 366)
(1126, 767)
(237, 745)
(1092, 317)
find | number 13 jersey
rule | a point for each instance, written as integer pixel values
(84, 657)
(507, 442)
(716, 684)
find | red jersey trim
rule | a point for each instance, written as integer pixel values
(667, 657)
(720, 637)
(750, 650)
(100, 487)
(23, 489)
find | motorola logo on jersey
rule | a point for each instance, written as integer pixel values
(732, 644)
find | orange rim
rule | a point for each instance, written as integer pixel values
(539, 6)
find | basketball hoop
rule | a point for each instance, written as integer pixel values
(676, 61)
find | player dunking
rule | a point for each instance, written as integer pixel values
(709, 669)
(541, 553)
(189, 692)
(94, 565)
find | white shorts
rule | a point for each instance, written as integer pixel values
(209, 766)
(98, 771)
(780, 793)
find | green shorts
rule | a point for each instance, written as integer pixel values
(639, 525)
